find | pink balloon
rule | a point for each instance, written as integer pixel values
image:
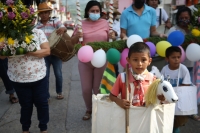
(183, 54)
(85, 53)
(124, 54)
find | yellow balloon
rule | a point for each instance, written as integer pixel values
(161, 47)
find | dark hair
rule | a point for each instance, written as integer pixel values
(139, 47)
(181, 10)
(171, 50)
(91, 4)
(147, 1)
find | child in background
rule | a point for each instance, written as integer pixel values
(139, 59)
(172, 72)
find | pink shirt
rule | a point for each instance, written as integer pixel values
(94, 31)
(120, 88)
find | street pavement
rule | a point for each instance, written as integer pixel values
(65, 115)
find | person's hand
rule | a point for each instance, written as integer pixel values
(124, 104)
(112, 35)
(125, 38)
(79, 34)
(163, 35)
(161, 97)
(61, 31)
(3, 57)
(168, 25)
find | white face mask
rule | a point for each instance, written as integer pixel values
(94, 16)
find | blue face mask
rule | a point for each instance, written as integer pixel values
(94, 16)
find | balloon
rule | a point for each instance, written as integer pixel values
(123, 60)
(193, 52)
(113, 56)
(182, 54)
(133, 39)
(176, 38)
(161, 47)
(99, 58)
(85, 53)
(152, 48)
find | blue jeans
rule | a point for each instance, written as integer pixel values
(4, 76)
(33, 93)
(57, 68)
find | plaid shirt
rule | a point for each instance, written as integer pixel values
(50, 26)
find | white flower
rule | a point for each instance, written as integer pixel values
(4, 27)
(13, 51)
(5, 48)
(11, 46)
(16, 45)
(23, 45)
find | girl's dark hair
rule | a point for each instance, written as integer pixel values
(171, 50)
(147, 1)
(181, 10)
(139, 47)
(91, 4)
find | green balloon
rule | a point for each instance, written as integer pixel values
(113, 56)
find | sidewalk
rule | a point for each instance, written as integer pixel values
(65, 115)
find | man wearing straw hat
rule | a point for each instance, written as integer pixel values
(48, 25)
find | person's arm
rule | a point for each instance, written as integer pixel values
(123, 26)
(166, 19)
(123, 34)
(153, 32)
(123, 103)
(168, 23)
(44, 51)
(112, 35)
(61, 30)
(3, 57)
(76, 35)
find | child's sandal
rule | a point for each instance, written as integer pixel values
(87, 115)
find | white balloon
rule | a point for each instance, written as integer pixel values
(193, 52)
(99, 58)
(133, 39)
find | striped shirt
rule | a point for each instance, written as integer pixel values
(50, 26)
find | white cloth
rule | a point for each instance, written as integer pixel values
(28, 68)
(116, 28)
(108, 117)
(184, 75)
(164, 16)
(140, 77)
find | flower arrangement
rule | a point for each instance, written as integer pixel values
(195, 23)
(16, 28)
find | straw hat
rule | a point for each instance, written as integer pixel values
(44, 7)
(116, 12)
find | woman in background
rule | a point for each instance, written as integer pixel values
(94, 29)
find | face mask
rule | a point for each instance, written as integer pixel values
(139, 3)
(94, 16)
(184, 22)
